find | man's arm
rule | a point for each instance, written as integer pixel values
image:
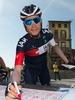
(10, 91)
(16, 75)
(60, 53)
(69, 65)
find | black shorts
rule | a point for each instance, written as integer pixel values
(32, 74)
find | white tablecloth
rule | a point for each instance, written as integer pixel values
(33, 94)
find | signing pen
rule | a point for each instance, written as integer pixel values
(19, 94)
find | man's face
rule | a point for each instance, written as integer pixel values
(33, 28)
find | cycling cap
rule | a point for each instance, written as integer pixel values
(29, 11)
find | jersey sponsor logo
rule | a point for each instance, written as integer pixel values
(46, 31)
(20, 44)
(17, 56)
(43, 48)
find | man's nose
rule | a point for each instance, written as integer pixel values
(33, 23)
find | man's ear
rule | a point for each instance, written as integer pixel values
(25, 26)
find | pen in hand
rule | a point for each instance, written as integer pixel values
(19, 94)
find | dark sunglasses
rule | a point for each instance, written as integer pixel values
(29, 22)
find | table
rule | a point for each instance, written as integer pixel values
(37, 94)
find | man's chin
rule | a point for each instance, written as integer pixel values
(35, 36)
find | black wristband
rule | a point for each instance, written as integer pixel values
(7, 89)
(71, 63)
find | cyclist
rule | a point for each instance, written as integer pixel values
(33, 48)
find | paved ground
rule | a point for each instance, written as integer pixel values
(64, 81)
(55, 85)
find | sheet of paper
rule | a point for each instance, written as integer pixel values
(34, 94)
(2, 92)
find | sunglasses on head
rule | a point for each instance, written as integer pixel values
(30, 21)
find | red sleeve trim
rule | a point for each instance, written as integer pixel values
(19, 58)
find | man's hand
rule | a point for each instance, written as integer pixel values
(10, 92)
(70, 65)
